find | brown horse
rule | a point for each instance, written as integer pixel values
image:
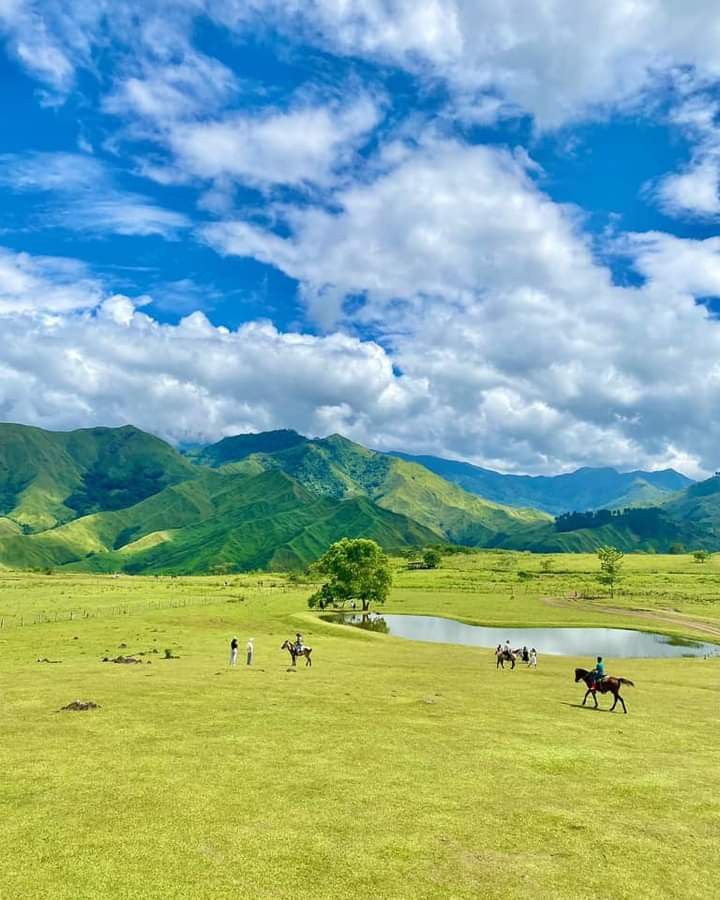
(608, 684)
(306, 651)
(505, 656)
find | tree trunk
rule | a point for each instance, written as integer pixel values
(365, 604)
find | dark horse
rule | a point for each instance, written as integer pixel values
(306, 651)
(503, 656)
(608, 684)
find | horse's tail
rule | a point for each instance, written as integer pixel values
(626, 681)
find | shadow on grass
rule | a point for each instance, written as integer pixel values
(580, 706)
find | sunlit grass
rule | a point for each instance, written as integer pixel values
(389, 769)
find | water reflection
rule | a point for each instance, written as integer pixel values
(617, 642)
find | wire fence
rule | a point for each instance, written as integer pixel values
(22, 620)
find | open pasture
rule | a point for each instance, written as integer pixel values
(389, 769)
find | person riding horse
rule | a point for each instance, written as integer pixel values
(298, 643)
(598, 673)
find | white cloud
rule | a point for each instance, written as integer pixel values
(488, 290)
(694, 191)
(675, 264)
(85, 197)
(43, 284)
(163, 92)
(193, 381)
(441, 223)
(559, 60)
(302, 144)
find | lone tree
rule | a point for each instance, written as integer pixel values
(701, 556)
(356, 570)
(432, 558)
(610, 567)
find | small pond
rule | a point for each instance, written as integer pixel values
(613, 642)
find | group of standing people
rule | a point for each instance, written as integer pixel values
(249, 650)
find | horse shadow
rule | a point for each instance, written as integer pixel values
(580, 706)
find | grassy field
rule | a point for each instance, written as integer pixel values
(390, 769)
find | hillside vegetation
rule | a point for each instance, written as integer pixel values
(117, 499)
(336, 467)
(585, 489)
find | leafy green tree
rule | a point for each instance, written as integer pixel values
(610, 567)
(355, 570)
(546, 565)
(701, 556)
(432, 558)
(677, 548)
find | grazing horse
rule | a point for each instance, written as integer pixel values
(306, 651)
(608, 684)
(504, 656)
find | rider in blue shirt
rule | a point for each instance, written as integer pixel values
(598, 673)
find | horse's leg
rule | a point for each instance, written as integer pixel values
(586, 696)
(616, 696)
(623, 704)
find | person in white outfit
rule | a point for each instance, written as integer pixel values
(250, 651)
(533, 658)
(233, 651)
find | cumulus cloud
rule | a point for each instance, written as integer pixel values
(694, 191)
(304, 143)
(193, 381)
(85, 196)
(44, 284)
(499, 337)
(557, 60)
(489, 290)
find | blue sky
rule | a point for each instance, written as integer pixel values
(482, 233)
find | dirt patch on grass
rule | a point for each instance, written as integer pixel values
(80, 706)
(124, 660)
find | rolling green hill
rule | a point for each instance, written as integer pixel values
(690, 518)
(117, 499)
(584, 489)
(339, 468)
(47, 478)
(201, 520)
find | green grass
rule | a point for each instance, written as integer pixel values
(390, 769)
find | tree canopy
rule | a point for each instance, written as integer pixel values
(356, 569)
(610, 566)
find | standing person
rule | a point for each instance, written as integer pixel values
(250, 651)
(525, 655)
(233, 651)
(533, 658)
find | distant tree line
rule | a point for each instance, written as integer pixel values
(649, 522)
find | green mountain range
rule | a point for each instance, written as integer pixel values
(584, 489)
(118, 499)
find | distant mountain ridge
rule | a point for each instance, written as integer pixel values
(585, 489)
(119, 499)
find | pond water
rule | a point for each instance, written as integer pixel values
(613, 642)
